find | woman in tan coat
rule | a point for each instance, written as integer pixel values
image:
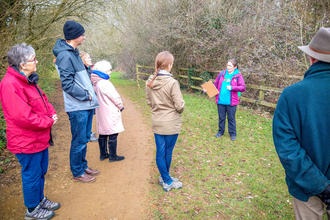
(165, 99)
(108, 115)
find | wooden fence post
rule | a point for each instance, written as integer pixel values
(137, 75)
(261, 92)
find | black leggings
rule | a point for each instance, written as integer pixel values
(111, 136)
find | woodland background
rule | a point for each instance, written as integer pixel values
(262, 35)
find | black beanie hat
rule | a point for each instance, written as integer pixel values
(72, 30)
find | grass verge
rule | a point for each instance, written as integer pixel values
(222, 179)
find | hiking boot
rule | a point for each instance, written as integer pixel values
(92, 172)
(233, 138)
(161, 181)
(85, 178)
(93, 138)
(173, 185)
(39, 214)
(50, 206)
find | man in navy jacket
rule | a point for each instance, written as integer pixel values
(79, 98)
(301, 132)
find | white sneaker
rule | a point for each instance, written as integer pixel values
(50, 206)
(173, 185)
(161, 181)
(39, 214)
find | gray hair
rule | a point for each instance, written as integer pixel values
(20, 54)
(102, 66)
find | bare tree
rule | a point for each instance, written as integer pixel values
(38, 23)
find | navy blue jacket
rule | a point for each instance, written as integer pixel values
(76, 84)
(301, 132)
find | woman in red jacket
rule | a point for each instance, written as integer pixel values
(29, 117)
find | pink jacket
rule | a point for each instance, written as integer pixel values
(28, 114)
(108, 115)
(237, 83)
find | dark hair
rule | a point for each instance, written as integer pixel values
(163, 59)
(20, 54)
(234, 62)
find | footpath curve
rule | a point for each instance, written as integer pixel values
(120, 192)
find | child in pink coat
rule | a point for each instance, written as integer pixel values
(108, 115)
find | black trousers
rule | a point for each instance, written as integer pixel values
(111, 136)
(230, 111)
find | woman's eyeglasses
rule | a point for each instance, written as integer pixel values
(33, 60)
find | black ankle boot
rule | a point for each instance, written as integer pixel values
(113, 157)
(103, 147)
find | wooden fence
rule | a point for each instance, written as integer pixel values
(261, 89)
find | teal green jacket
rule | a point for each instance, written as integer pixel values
(301, 132)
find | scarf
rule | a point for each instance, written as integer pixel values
(32, 79)
(235, 71)
(164, 73)
(101, 74)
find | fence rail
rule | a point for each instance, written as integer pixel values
(261, 88)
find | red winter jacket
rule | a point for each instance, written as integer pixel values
(28, 115)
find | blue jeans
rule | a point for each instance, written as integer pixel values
(165, 145)
(34, 169)
(231, 111)
(81, 127)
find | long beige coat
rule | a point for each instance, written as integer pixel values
(167, 104)
(108, 115)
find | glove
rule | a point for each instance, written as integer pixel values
(122, 109)
(325, 196)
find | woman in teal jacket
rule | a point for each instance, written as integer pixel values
(229, 83)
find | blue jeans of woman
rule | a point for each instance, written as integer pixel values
(165, 145)
(81, 127)
(34, 169)
(231, 111)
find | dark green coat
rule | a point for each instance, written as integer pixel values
(301, 132)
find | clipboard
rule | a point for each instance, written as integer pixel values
(211, 90)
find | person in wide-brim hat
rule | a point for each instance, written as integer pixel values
(319, 48)
(301, 126)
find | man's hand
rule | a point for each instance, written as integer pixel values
(325, 196)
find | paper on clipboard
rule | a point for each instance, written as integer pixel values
(211, 90)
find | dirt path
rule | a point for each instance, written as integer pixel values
(120, 192)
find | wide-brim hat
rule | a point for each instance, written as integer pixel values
(319, 47)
